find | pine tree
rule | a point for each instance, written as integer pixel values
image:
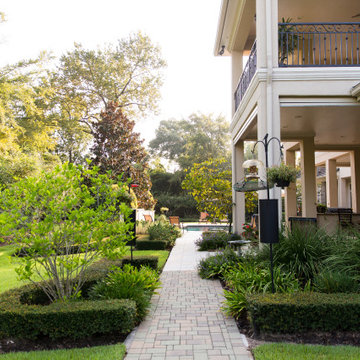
(119, 149)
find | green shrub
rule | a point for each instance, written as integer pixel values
(249, 278)
(61, 218)
(129, 283)
(138, 261)
(213, 240)
(164, 231)
(328, 281)
(300, 251)
(345, 253)
(70, 319)
(215, 266)
(151, 244)
(304, 311)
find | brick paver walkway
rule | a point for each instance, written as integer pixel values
(185, 321)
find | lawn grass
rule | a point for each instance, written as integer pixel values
(8, 276)
(110, 352)
(282, 351)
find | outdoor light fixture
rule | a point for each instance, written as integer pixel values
(252, 181)
(221, 52)
(268, 210)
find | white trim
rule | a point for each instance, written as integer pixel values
(245, 125)
(259, 76)
(355, 91)
(316, 73)
(320, 101)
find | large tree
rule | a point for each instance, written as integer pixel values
(210, 184)
(196, 139)
(86, 81)
(119, 149)
(25, 122)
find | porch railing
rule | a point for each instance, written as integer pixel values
(319, 44)
(246, 76)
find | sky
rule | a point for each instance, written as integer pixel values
(194, 80)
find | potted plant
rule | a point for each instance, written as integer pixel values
(321, 208)
(281, 176)
(288, 40)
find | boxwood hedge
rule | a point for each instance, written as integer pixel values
(151, 244)
(138, 261)
(72, 319)
(304, 311)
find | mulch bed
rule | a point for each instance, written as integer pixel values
(45, 343)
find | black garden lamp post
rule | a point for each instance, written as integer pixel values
(268, 210)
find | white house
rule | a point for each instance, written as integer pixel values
(300, 83)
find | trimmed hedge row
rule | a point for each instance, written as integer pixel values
(304, 311)
(73, 319)
(26, 312)
(151, 244)
(138, 261)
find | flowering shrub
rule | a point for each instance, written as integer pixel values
(249, 232)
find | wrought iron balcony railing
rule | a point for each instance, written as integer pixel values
(246, 76)
(319, 44)
(309, 44)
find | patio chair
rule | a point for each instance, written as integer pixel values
(175, 220)
(203, 216)
(148, 218)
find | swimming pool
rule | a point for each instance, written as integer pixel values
(205, 227)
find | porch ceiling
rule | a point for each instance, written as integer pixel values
(320, 10)
(333, 127)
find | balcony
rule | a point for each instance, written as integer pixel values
(246, 76)
(319, 44)
(309, 45)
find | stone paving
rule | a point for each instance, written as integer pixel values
(185, 321)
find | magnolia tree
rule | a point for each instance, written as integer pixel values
(63, 221)
(210, 184)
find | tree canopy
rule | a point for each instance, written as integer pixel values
(118, 148)
(196, 139)
(210, 184)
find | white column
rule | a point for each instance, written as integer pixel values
(331, 183)
(308, 177)
(355, 180)
(290, 192)
(343, 200)
(238, 197)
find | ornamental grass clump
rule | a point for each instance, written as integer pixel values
(129, 283)
(65, 219)
(248, 277)
(300, 251)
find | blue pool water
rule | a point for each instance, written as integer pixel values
(205, 227)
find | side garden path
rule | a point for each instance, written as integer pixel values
(185, 321)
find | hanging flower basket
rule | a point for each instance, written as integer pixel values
(282, 183)
(282, 175)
